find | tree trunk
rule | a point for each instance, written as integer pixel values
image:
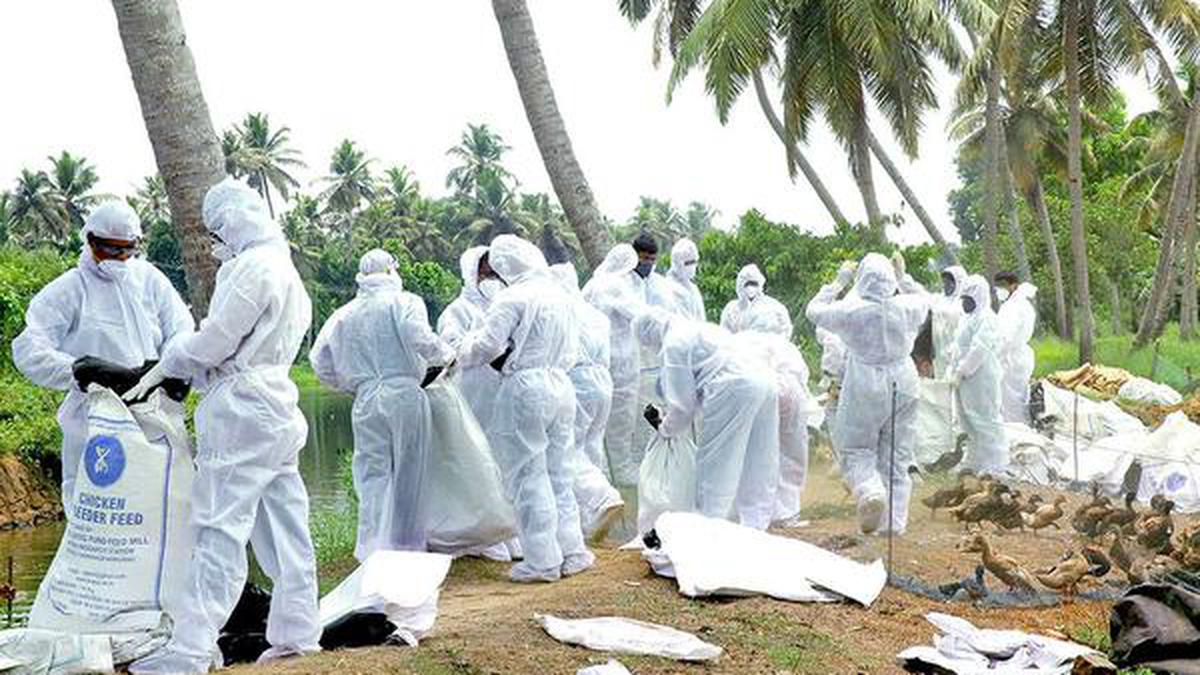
(860, 167)
(1083, 295)
(992, 183)
(186, 149)
(1174, 229)
(1013, 210)
(1114, 290)
(1037, 202)
(893, 172)
(549, 129)
(266, 192)
(810, 174)
(1187, 301)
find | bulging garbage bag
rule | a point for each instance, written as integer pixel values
(667, 479)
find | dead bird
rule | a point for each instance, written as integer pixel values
(974, 586)
(948, 497)
(1046, 516)
(1122, 518)
(950, 459)
(1154, 529)
(1006, 569)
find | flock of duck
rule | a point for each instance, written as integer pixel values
(1141, 545)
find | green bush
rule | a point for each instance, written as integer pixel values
(28, 426)
(1175, 357)
(22, 274)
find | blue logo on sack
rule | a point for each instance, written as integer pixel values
(104, 460)
(1175, 482)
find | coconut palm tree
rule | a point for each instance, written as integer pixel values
(350, 182)
(491, 208)
(186, 148)
(549, 129)
(7, 221)
(402, 189)
(36, 210)
(480, 150)
(264, 157)
(150, 201)
(71, 182)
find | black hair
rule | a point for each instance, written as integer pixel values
(1006, 278)
(645, 243)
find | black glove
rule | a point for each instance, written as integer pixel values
(176, 389)
(431, 374)
(652, 416)
(498, 363)
(93, 370)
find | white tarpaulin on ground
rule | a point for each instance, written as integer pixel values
(613, 667)
(966, 650)
(465, 505)
(708, 556)
(403, 585)
(627, 636)
(1096, 420)
(27, 651)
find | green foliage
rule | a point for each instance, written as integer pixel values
(1171, 366)
(22, 275)
(334, 533)
(28, 427)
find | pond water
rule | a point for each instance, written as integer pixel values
(329, 434)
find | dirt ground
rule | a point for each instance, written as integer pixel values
(486, 624)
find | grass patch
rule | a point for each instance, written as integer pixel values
(829, 511)
(1174, 357)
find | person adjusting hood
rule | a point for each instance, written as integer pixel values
(533, 423)
(737, 457)
(684, 295)
(754, 309)
(1018, 320)
(878, 329)
(977, 372)
(600, 504)
(611, 291)
(249, 432)
(464, 314)
(379, 347)
(102, 322)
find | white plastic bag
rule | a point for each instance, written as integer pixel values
(936, 427)
(627, 636)
(123, 559)
(1141, 390)
(465, 505)
(613, 667)
(404, 585)
(666, 480)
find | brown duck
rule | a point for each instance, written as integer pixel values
(1090, 517)
(1065, 576)
(1047, 515)
(1006, 569)
(1122, 518)
(1154, 529)
(945, 498)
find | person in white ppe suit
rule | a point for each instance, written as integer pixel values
(684, 295)
(977, 372)
(464, 314)
(705, 372)
(379, 347)
(1018, 320)
(878, 328)
(249, 432)
(611, 292)
(111, 306)
(532, 427)
(946, 314)
(599, 502)
(753, 309)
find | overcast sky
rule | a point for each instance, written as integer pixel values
(404, 78)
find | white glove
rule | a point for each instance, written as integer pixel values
(149, 381)
(845, 275)
(899, 265)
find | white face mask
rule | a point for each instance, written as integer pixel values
(116, 270)
(1003, 294)
(489, 288)
(222, 252)
(752, 292)
(689, 269)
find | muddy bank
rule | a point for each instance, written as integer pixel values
(27, 497)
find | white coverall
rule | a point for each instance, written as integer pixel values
(532, 428)
(249, 433)
(754, 309)
(1018, 319)
(947, 313)
(464, 314)
(683, 293)
(737, 458)
(378, 347)
(796, 405)
(978, 371)
(122, 312)
(598, 500)
(610, 290)
(878, 328)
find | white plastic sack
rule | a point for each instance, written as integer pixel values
(962, 648)
(627, 636)
(465, 505)
(613, 667)
(666, 479)
(710, 556)
(123, 559)
(1096, 420)
(1141, 390)
(936, 422)
(404, 585)
(27, 651)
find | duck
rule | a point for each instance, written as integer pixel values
(950, 459)
(1117, 552)
(1006, 514)
(1047, 515)
(1154, 530)
(1034, 503)
(1006, 569)
(946, 497)
(1123, 518)
(1088, 519)
(977, 507)
(1065, 576)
